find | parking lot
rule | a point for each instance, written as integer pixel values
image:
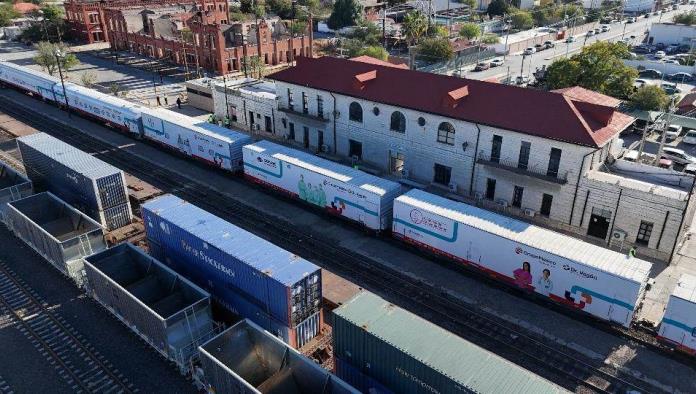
(652, 144)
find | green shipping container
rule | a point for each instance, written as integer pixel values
(408, 354)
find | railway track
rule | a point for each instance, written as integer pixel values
(85, 370)
(526, 349)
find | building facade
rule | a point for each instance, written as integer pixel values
(249, 103)
(672, 34)
(541, 156)
(202, 38)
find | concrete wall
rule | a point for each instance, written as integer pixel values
(665, 68)
(669, 33)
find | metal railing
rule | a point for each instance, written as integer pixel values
(300, 113)
(514, 166)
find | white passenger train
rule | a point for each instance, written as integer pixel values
(606, 284)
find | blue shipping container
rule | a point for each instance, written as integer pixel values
(229, 261)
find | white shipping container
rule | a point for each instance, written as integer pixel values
(29, 79)
(213, 144)
(340, 190)
(679, 322)
(113, 110)
(599, 281)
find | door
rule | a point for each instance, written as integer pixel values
(517, 196)
(320, 139)
(396, 162)
(305, 136)
(599, 223)
(443, 174)
(251, 120)
(291, 133)
(490, 188)
(496, 148)
(355, 149)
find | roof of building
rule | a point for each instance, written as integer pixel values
(372, 60)
(689, 101)
(474, 368)
(589, 96)
(533, 112)
(25, 8)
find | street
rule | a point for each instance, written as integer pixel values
(514, 62)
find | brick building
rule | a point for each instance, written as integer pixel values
(187, 35)
(85, 18)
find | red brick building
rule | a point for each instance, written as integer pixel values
(187, 35)
(85, 18)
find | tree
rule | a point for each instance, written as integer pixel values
(376, 52)
(7, 13)
(433, 50)
(470, 31)
(497, 8)
(440, 31)
(598, 67)
(650, 98)
(88, 78)
(47, 59)
(686, 18)
(490, 38)
(414, 26)
(471, 4)
(114, 89)
(345, 13)
(522, 20)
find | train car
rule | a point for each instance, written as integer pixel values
(113, 111)
(247, 274)
(91, 185)
(58, 232)
(210, 143)
(338, 189)
(244, 359)
(678, 326)
(29, 80)
(169, 312)
(13, 186)
(381, 348)
(604, 283)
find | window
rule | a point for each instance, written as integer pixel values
(305, 103)
(291, 132)
(355, 149)
(291, 104)
(554, 162)
(268, 123)
(421, 121)
(398, 122)
(496, 146)
(320, 139)
(445, 133)
(546, 201)
(490, 188)
(442, 174)
(517, 196)
(524, 155)
(396, 162)
(644, 232)
(320, 106)
(355, 112)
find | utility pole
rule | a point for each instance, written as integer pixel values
(59, 57)
(522, 67)
(663, 139)
(507, 35)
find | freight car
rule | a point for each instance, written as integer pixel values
(599, 281)
(91, 185)
(245, 359)
(678, 326)
(248, 275)
(32, 81)
(215, 145)
(381, 348)
(338, 189)
(13, 186)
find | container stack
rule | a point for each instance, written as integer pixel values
(87, 183)
(245, 359)
(381, 348)
(13, 186)
(247, 275)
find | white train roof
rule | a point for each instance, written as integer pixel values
(31, 71)
(603, 259)
(686, 288)
(197, 125)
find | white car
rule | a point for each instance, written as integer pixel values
(671, 61)
(660, 54)
(530, 51)
(496, 62)
(690, 169)
(605, 28)
(672, 132)
(690, 137)
(678, 156)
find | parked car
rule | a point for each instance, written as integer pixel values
(590, 33)
(690, 137)
(670, 88)
(660, 54)
(690, 169)
(650, 73)
(631, 20)
(671, 61)
(597, 30)
(539, 47)
(680, 77)
(497, 62)
(678, 155)
(640, 83)
(675, 6)
(549, 44)
(530, 51)
(672, 132)
(522, 80)
(570, 39)
(605, 28)
(482, 66)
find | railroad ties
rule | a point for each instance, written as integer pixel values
(76, 361)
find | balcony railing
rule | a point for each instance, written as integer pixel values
(513, 166)
(294, 111)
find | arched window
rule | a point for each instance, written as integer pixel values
(355, 112)
(445, 133)
(398, 122)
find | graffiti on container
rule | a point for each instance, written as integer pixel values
(199, 254)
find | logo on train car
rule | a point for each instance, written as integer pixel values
(540, 258)
(207, 259)
(419, 218)
(266, 162)
(579, 272)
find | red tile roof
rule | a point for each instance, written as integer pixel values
(25, 8)
(589, 96)
(372, 60)
(533, 112)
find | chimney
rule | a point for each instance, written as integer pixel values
(362, 79)
(453, 98)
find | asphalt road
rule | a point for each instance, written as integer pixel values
(513, 63)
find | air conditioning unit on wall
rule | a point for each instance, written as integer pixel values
(618, 235)
(529, 212)
(502, 203)
(452, 187)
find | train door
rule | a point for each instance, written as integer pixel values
(619, 314)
